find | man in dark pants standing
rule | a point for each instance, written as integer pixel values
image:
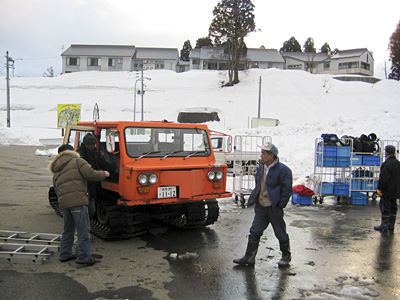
(70, 175)
(389, 189)
(270, 196)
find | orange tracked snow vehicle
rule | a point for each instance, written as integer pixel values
(163, 170)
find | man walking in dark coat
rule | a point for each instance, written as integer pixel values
(270, 196)
(389, 189)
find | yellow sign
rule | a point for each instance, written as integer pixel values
(68, 113)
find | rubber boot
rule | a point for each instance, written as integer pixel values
(286, 255)
(384, 226)
(392, 221)
(250, 256)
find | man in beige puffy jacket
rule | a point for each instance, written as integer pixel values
(70, 176)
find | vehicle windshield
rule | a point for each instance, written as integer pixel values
(166, 142)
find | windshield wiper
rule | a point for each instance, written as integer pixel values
(194, 152)
(173, 152)
(147, 153)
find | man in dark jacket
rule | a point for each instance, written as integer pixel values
(270, 196)
(88, 152)
(389, 189)
(70, 175)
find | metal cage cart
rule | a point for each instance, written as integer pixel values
(332, 171)
(366, 168)
(246, 155)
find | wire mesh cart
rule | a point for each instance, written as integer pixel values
(246, 155)
(332, 171)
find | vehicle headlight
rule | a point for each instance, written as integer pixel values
(153, 178)
(211, 175)
(147, 178)
(219, 174)
(142, 179)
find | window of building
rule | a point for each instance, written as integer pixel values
(327, 66)
(111, 62)
(119, 61)
(349, 65)
(297, 67)
(72, 61)
(365, 66)
(94, 62)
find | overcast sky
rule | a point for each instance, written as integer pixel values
(37, 31)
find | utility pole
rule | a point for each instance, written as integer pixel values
(259, 99)
(142, 95)
(8, 60)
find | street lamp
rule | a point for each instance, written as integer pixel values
(142, 92)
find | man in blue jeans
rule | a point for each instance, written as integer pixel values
(70, 175)
(270, 196)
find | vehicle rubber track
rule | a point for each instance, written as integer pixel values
(123, 222)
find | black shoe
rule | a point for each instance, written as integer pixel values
(381, 227)
(73, 256)
(88, 263)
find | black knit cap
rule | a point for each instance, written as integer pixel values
(89, 139)
(390, 149)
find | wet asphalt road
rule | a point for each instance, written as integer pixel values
(336, 253)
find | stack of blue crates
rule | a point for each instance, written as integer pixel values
(329, 156)
(303, 200)
(343, 156)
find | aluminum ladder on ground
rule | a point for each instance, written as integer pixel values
(25, 247)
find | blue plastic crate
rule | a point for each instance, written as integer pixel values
(328, 161)
(342, 161)
(328, 150)
(369, 160)
(343, 151)
(369, 185)
(325, 188)
(303, 200)
(340, 189)
(358, 198)
(356, 184)
(357, 160)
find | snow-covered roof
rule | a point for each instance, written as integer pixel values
(156, 53)
(99, 50)
(269, 55)
(306, 57)
(349, 53)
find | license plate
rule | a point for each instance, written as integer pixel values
(167, 191)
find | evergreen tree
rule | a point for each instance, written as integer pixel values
(292, 45)
(309, 46)
(233, 21)
(394, 49)
(185, 52)
(203, 42)
(325, 48)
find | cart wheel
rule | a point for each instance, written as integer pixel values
(315, 199)
(321, 200)
(236, 198)
(338, 199)
(242, 201)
